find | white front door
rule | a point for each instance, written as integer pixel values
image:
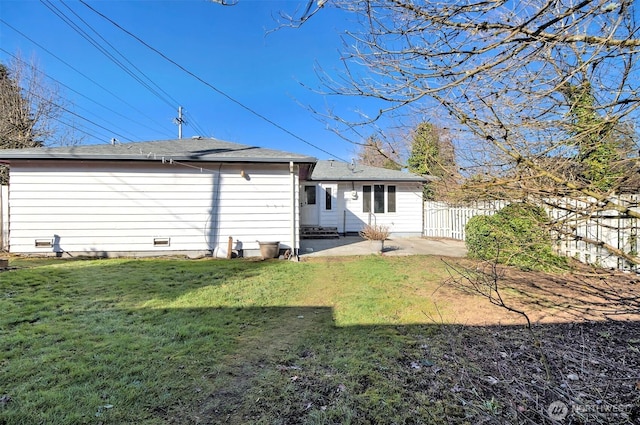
(309, 213)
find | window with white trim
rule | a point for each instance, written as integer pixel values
(328, 199)
(379, 199)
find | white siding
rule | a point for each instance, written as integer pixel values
(407, 220)
(328, 217)
(121, 208)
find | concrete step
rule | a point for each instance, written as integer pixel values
(318, 232)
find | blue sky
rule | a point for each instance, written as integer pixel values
(231, 48)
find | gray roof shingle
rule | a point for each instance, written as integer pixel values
(341, 171)
(195, 149)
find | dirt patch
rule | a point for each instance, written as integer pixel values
(585, 373)
(581, 294)
(579, 362)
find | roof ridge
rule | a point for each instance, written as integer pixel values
(200, 150)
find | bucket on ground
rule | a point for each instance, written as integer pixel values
(269, 249)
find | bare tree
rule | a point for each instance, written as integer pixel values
(375, 153)
(540, 94)
(29, 108)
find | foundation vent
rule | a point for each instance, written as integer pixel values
(161, 241)
(44, 243)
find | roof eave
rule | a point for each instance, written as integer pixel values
(7, 159)
(369, 179)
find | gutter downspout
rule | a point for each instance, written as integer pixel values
(423, 233)
(294, 245)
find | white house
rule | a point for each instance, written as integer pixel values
(348, 196)
(192, 196)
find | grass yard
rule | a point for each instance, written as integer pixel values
(362, 340)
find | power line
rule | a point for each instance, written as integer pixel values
(62, 108)
(192, 121)
(158, 93)
(81, 73)
(83, 118)
(211, 86)
(78, 93)
(78, 128)
(167, 98)
(101, 49)
(172, 101)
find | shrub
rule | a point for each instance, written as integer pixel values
(480, 237)
(375, 232)
(516, 236)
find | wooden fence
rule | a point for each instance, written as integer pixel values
(442, 220)
(594, 238)
(585, 237)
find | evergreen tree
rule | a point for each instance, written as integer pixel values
(598, 150)
(432, 154)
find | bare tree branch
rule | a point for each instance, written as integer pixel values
(541, 96)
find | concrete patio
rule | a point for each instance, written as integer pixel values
(355, 245)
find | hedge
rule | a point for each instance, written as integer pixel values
(516, 235)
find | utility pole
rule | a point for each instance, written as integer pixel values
(179, 121)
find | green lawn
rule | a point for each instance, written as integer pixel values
(157, 341)
(162, 340)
